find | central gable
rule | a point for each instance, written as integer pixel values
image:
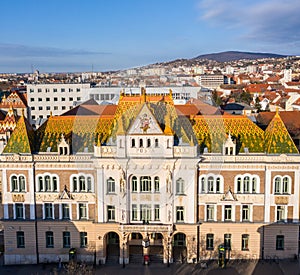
(145, 123)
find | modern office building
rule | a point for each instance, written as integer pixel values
(143, 178)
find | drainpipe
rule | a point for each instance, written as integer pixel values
(35, 216)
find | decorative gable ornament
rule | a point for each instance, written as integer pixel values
(65, 194)
(229, 196)
(145, 123)
(63, 147)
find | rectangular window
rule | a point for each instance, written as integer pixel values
(78, 98)
(31, 90)
(83, 239)
(134, 212)
(111, 213)
(70, 98)
(82, 211)
(55, 108)
(20, 239)
(180, 186)
(156, 184)
(156, 212)
(62, 90)
(63, 107)
(209, 241)
(70, 90)
(66, 239)
(47, 98)
(227, 241)
(39, 90)
(19, 210)
(47, 90)
(49, 239)
(40, 108)
(179, 213)
(145, 212)
(55, 99)
(33, 108)
(32, 99)
(210, 212)
(54, 90)
(47, 108)
(245, 213)
(280, 213)
(245, 242)
(40, 99)
(63, 99)
(48, 211)
(227, 213)
(65, 211)
(279, 242)
(77, 89)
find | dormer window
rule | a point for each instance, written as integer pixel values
(229, 147)
(63, 147)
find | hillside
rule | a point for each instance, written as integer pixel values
(236, 55)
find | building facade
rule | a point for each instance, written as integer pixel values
(149, 180)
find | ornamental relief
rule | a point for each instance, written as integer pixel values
(83, 197)
(281, 200)
(18, 198)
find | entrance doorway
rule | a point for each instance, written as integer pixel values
(179, 248)
(112, 248)
(135, 248)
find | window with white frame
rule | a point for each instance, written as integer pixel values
(83, 239)
(246, 184)
(134, 184)
(145, 212)
(245, 242)
(47, 183)
(111, 185)
(179, 214)
(48, 211)
(82, 211)
(227, 212)
(145, 184)
(156, 184)
(282, 185)
(245, 213)
(82, 183)
(19, 211)
(211, 184)
(49, 239)
(180, 186)
(111, 213)
(65, 211)
(134, 212)
(18, 183)
(280, 213)
(20, 239)
(209, 241)
(210, 212)
(156, 212)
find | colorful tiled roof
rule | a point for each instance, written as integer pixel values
(22, 138)
(278, 139)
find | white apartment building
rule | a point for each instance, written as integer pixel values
(44, 99)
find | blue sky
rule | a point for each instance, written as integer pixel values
(77, 35)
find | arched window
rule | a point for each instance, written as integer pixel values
(41, 184)
(141, 142)
(134, 184)
(239, 185)
(210, 184)
(156, 142)
(14, 184)
(277, 185)
(145, 184)
(218, 185)
(285, 185)
(18, 183)
(111, 185)
(148, 142)
(47, 183)
(203, 185)
(156, 184)
(133, 142)
(82, 183)
(246, 184)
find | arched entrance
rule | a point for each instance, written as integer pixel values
(179, 248)
(112, 248)
(156, 249)
(135, 248)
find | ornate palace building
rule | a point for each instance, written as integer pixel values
(146, 177)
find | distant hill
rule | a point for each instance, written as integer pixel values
(235, 55)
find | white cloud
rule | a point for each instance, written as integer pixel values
(266, 21)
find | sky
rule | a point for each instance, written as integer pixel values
(103, 35)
